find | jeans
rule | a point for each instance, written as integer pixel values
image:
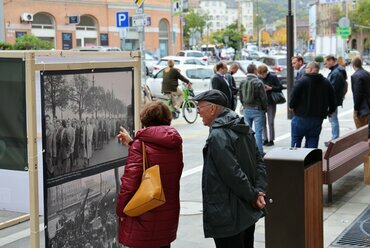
(259, 118)
(308, 127)
(334, 124)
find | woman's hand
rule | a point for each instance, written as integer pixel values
(123, 137)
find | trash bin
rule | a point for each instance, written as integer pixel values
(294, 199)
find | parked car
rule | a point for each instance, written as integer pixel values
(149, 60)
(199, 76)
(162, 63)
(279, 64)
(192, 53)
(242, 72)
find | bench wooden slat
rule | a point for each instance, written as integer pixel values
(346, 141)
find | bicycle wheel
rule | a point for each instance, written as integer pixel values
(189, 111)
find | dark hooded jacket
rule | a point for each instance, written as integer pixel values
(233, 174)
(312, 96)
(157, 227)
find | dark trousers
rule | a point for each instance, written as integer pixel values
(305, 127)
(245, 239)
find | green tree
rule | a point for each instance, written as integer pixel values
(31, 42)
(231, 31)
(194, 20)
(5, 46)
(361, 15)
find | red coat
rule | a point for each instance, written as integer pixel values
(157, 227)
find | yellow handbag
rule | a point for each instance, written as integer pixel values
(150, 192)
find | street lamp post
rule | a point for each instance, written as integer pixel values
(290, 52)
(259, 36)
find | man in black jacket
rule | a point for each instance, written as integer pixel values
(221, 83)
(337, 81)
(312, 100)
(234, 176)
(361, 93)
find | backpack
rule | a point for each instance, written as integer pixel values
(248, 91)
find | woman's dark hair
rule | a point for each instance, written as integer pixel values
(155, 113)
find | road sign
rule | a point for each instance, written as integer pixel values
(139, 20)
(344, 32)
(122, 19)
(139, 2)
(343, 22)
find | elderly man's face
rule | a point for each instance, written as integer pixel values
(206, 110)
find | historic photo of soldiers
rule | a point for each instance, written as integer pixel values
(83, 114)
(81, 213)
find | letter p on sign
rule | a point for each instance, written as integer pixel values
(122, 19)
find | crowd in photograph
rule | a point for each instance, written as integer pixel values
(71, 143)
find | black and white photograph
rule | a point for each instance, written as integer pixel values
(83, 111)
(81, 213)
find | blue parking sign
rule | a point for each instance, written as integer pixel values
(122, 19)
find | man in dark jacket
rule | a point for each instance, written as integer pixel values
(234, 67)
(299, 65)
(221, 83)
(337, 81)
(361, 93)
(234, 176)
(312, 100)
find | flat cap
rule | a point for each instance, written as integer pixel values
(213, 96)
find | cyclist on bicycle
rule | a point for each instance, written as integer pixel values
(170, 84)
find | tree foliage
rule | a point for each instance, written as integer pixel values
(231, 31)
(280, 36)
(194, 20)
(5, 46)
(361, 15)
(56, 93)
(31, 42)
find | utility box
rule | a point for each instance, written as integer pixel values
(294, 198)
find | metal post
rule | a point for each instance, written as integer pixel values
(2, 25)
(290, 52)
(142, 48)
(258, 26)
(260, 34)
(172, 31)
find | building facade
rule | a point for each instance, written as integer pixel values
(71, 23)
(222, 13)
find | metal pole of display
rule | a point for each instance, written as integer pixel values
(32, 150)
(2, 26)
(141, 30)
(290, 53)
(172, 31)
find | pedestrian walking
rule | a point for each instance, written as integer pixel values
(234, 176)
(157, 227)
(254, 100)
(360, 80)
(299, 65)
(221, 83)
(311, 101)
(337, 80)
(272, 84)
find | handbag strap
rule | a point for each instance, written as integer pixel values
(145, 158)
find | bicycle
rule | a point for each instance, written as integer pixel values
(188, 106)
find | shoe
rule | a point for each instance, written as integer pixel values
(265, 142)
(326, 143)
(270, 143)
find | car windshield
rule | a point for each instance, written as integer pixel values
(282, 61)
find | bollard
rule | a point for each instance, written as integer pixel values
(294, 199)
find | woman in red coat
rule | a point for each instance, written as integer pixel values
(156, 228)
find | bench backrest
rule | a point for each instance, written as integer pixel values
(346, 141)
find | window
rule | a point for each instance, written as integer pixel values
(87, 23)
(163, 37)
(194, 54)
(43, 21)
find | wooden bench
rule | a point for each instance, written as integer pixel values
(343, 155)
